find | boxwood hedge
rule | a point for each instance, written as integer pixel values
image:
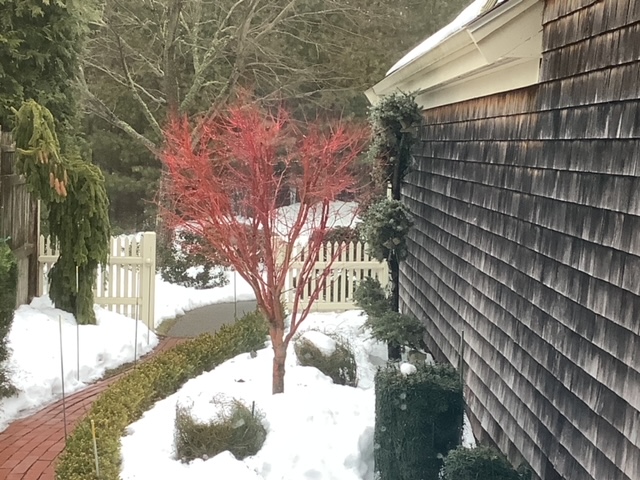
(418, 420)
(129, 397)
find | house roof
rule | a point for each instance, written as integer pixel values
(468, 15)
(492, 46)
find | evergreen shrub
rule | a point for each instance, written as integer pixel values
(133, 394)
(418, 420)
(478, 463)
(236, 429)
(386, 325)
(397, 329)
(182, 260)
(340, 366)
(8, 284)
(371, 297)
(385, 226)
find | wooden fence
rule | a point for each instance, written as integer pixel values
(127, 285)
(352, 265)
(18, 220)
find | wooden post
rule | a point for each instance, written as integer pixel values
(19, 215)
(147, 279)
(6, 169)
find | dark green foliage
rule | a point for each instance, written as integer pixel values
(397, 329)
(238, 430)
(74, 193)
(129, 397)
(340, 366)
(387, 326)
(342, 235)
(386, 224)
(393, 121)
(478, 463)
(525, 471)
(252, 329)
(371, 297)
(182, 251)
(40, 43)
(8, 283)
(131, 175)
(418, 417)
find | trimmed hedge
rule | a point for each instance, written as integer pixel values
(128, 398)
(481, 462)
(418, 420)
(8, 285)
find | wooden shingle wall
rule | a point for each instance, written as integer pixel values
(527, 238)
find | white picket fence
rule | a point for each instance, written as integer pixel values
(351, 266)
(127, 284)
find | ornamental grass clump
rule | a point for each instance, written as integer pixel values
(236, 428)
(339, 364)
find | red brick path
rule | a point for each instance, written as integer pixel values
(30, 447)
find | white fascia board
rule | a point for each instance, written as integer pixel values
(511, 32)
(510, 75)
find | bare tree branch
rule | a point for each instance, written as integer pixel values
(134, 91)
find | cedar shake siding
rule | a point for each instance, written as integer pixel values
(527, 239)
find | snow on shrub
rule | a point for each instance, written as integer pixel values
(226, 425)
(329, 353)
(481, 462)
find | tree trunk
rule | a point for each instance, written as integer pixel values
(393, 350)
(279, 357)
(396, 179)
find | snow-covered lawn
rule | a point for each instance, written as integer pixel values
(316, 430)
(34, 362)
(34, 342)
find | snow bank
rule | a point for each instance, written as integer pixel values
(34, 362)
(174, 300)
(322, 342)
(316, 430)
(341, 214)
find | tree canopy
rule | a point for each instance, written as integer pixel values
(226, 188)
(40, 47)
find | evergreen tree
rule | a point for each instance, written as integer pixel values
(40, 46)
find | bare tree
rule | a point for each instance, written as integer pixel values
(188, 56)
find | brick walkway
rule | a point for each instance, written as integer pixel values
(29, 447)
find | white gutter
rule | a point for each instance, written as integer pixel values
(509, 38)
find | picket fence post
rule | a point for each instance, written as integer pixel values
(147, 279)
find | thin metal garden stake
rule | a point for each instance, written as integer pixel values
(77, 332)
(95, 448)
(135, 341)
(78, 350)
(235, 297)
(64, 404)
(461, 350)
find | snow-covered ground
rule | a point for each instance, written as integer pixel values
(316, 430)
(34, 342)
(174, 300)
(34, 363)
